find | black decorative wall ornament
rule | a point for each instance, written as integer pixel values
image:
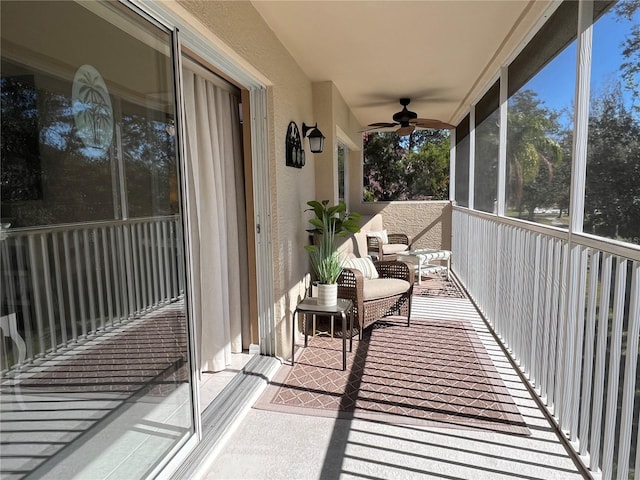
(294, 150)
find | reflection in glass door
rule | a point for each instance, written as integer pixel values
(94, 358)
(342, 173)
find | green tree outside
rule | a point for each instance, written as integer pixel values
(414, 167)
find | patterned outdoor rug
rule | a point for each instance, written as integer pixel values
(437, 285)
(434, 373)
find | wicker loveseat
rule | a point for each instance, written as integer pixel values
(377, 298)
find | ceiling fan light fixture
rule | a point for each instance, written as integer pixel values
(408, 121)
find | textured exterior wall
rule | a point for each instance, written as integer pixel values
(325, 164)
(239, 26)
(332, 114)
(428, 223)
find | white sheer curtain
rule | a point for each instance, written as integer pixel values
(216, 209)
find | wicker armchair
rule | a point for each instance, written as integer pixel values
(398, 242)
(378, 298)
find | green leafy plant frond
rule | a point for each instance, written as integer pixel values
(327, 267)
(329, 222)
(342, 222)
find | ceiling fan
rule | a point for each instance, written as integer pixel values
(408, 121)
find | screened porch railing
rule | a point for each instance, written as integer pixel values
(66, 283)
(567, 309)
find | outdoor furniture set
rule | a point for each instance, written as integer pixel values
(370, 290)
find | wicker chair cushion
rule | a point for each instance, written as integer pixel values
(381, 235)
(384, 287)
(365, 265)
(391, 248)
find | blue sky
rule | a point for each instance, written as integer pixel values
(555, 84)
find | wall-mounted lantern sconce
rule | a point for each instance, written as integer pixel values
(316, 139)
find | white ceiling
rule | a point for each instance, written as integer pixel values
(441, 54)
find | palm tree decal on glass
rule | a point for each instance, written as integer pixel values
(92, 109)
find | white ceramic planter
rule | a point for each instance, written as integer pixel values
(327, 294)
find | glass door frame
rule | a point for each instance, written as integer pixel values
(186, 38)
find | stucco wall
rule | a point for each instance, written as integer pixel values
(427, 223)
(333, 116)
(290, 97)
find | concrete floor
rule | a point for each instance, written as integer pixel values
(271, 445)
(211, 384)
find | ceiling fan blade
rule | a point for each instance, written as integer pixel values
(402, 131)
(430, 123)
(382, 125)
(372, 129)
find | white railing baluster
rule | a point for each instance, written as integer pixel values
(162, 245)
(48, 290)
(139, 228)
(530, 258)
(147, 262)
(629, 385)
(107, 275)
(473, 267)
(89, 278)
(553, 332)
(173, 233)
(171, 276)
(545, 377)
(589, 341)
(506, 292)
(535, 314)
(517, 271)
(614, 370)
(542, 315)
(519, 274)
(122, 273)
(138, 272)
(37, 300)
(116, 261)
(476, 266)
(526, 323)
(24, 297)
(561, 346)
(153, 247)
(497, 278)
(570, 280)
(601, 352)
(62, 313)
(128, 272)
(501, 290)
(530, 291)
(494, 264)
(79, 279)
(70, 290)
(576, 364)
(97, 260)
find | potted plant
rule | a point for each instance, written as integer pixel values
(329, 222)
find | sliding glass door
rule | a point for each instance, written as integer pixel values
(95, 371)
